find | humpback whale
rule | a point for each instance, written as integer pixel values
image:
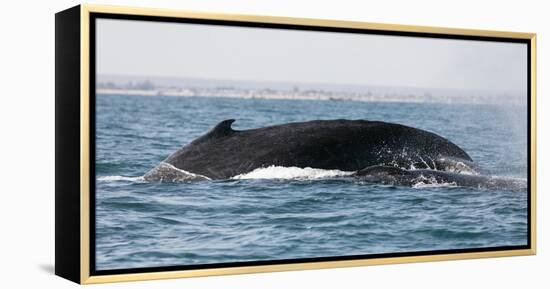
(347, 145)
(397, 176)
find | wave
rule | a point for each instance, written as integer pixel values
(292, 173)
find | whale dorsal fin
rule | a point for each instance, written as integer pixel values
(222, 129)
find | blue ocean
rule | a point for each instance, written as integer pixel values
(289, 213)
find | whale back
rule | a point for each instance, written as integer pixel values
(347, 145)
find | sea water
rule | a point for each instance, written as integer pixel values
(279, 213)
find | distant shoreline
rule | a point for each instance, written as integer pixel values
(256, 95)
(299, 95)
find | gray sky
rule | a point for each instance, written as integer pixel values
(128, 47)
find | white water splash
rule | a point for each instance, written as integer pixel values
(166, 172)
(423, 185)
(120, 178)
(461, 168)
(430, 182)
(278, 172)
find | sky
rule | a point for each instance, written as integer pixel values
(156, 49)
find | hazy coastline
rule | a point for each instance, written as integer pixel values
(264, 90)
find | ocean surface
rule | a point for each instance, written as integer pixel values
(288, 213)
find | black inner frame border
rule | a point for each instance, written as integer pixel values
(92, 93)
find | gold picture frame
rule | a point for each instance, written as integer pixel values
(73, 152)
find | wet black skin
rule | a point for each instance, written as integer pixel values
(400, 177)
(347, 145)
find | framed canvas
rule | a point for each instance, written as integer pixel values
(193, 144)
